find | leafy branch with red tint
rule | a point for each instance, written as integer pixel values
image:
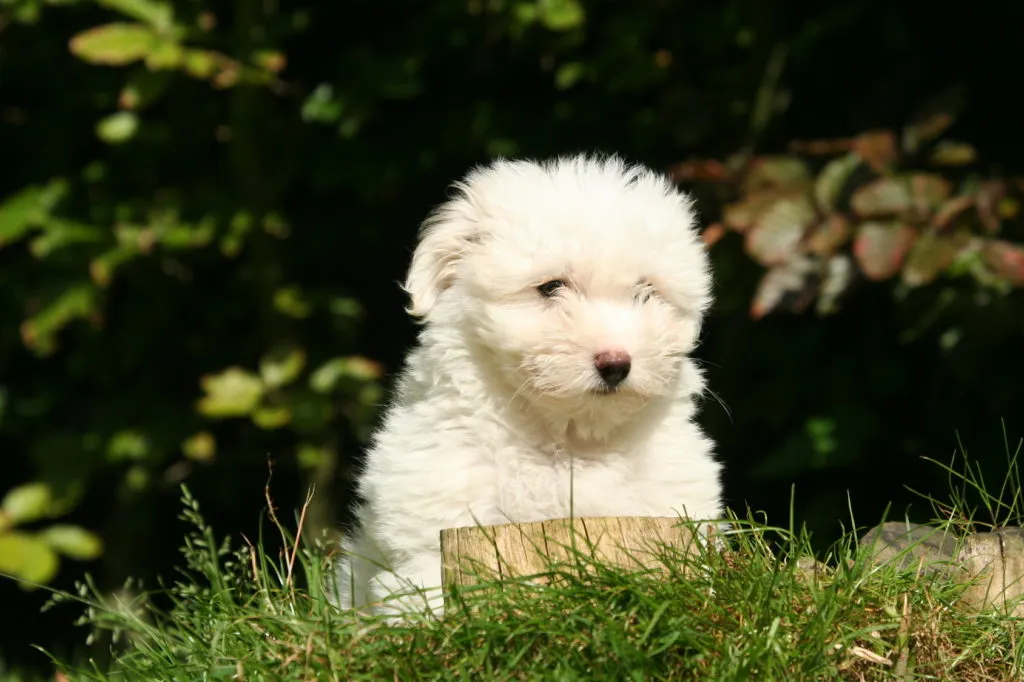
(877, 206)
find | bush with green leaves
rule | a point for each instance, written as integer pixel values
(32, 554)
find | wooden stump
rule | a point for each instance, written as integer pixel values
(994, 564)
(481, 554)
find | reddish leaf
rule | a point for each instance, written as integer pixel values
(712, 234)
(791, 285)
(700, 170)
(776, 172)
(741, 215)
(877, 148)
(881, 247)
(821, 147)
(950, 210)
(883, 197)
(828, 235)
(839, 273)
(929, 191)
(832, 179)
(931, 254)
(1007, 259)
(920, 132)
(779, 231)
(989, 200)
(915, 195)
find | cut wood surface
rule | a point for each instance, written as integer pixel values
(485, 553)
(994, 563)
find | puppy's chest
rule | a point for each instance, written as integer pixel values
(539, 486)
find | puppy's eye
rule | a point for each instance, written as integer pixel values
(550, 288)
(644, 294)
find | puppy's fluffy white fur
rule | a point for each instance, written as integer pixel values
(502, 405)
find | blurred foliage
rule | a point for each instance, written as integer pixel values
(870, 211)
(205, 207)
(33, 556)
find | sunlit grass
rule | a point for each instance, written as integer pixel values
(760, 609)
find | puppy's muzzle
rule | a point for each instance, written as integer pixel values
(613, 367)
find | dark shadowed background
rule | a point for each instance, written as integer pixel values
(205, 211)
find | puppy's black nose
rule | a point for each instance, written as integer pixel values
(613, 367)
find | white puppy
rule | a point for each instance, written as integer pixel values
(560, 302)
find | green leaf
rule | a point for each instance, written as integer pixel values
(821, 431)
(345, 307)
(931, 254)
(781, 172)
(27, 557)
(241, 224)
(525, 13)
(159, 15)
(201, 447)
(73, 542)
(561, 15)
(128, 445)
(118, 127)
(200, 64)
(114, 44)
(234, 392)
(143, 89)
(953, 153)
(282, 366)
(292, 302)
(321, 106)
(39, 332)
(165, 54)
(26, 503)
(569, 74)
(269, 418)
(58, 234)
(27, 209)
(832, 180)
(182, 236)
(328, 375)
(27, 12)
(311, 456)
(102, 267)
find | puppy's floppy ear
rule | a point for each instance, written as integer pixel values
(444, 238)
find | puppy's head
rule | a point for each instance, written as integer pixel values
(581, 283)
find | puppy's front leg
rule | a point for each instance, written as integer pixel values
(412, 588)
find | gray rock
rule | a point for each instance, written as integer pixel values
(931, 550)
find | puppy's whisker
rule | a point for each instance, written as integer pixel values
(718, 399)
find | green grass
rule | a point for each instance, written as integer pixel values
(752, 612)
